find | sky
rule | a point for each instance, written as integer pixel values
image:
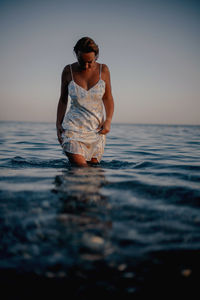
(152, 49)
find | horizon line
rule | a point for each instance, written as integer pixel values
(122, 123)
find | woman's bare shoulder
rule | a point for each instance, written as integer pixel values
(66, 69)
(66, 73)
(105, 68)
(105, 72)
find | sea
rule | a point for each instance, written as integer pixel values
(128, 227)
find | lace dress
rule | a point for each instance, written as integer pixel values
(82, 120)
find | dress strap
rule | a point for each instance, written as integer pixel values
(71, 72)
(100, 72)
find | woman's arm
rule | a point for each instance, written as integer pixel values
(62, 104)
(108, 102)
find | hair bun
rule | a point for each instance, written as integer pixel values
(86, 44)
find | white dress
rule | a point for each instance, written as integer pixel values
(82, 120)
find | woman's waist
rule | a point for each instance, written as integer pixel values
(68, 130)
(85, 136)
(82, 121)
(93, 107)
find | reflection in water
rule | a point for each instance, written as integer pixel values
(82, 183)
(84, 211)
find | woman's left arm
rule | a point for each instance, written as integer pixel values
(108, 102)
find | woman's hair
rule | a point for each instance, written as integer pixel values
(86, 45)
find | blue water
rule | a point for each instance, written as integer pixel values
(121, 224)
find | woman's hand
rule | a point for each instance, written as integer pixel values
(104, 127)
(60, 130)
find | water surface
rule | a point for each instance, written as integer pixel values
(122, 228)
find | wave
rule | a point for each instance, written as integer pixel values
(117, 164)
(175, 194)
(19, 161)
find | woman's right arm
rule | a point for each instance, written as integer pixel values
(62, 104)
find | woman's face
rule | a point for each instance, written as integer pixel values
(86, 60)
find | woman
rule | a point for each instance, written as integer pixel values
(82, 130)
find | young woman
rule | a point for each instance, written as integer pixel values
(82, 130)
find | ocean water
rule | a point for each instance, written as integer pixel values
(129, 226)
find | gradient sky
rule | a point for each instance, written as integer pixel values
(152, 49)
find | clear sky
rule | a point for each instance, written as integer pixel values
(152, 49)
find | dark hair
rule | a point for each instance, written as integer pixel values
(86, 45)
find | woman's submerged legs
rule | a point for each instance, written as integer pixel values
(80, 160)
(93, 161)
(76, 159)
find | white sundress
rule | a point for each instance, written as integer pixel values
(82, 120)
